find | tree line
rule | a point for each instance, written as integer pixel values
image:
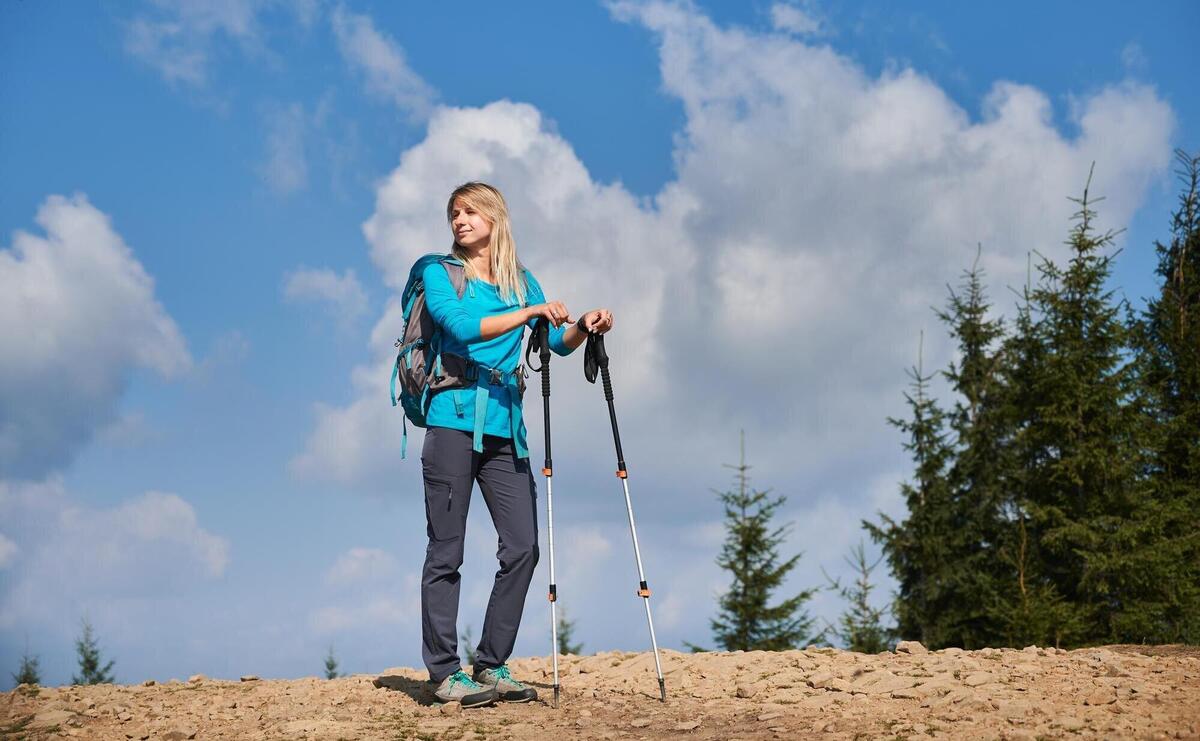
(1054, 498)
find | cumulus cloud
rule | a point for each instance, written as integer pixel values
(343, 294)
(778, 282)
(75, 557)
(78, 316)
(381, 62)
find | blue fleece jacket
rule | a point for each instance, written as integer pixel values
(460, 324)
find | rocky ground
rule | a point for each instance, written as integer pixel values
(1112, 692)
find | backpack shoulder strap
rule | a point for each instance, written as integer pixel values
(529, 279)
(415, 284)
(457, 273)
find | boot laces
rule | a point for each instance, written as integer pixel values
(503, 673)
(462, 678)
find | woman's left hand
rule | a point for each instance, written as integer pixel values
(598, 321)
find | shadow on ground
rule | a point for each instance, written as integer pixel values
(420, 691)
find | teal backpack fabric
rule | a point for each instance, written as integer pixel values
(421, 367)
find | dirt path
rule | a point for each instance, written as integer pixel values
(1117, 692)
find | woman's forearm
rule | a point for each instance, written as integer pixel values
(491, 327)
(574, 336)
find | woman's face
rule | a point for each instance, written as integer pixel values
(471, 228)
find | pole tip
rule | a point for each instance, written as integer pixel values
(556, 697)
(662, 690)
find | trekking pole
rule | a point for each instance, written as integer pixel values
(595, 358)
(540, 341)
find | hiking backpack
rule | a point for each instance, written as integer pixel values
(421, 368)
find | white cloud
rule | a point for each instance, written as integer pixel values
(778, 283)
(375, 613)
(77, 316)
(359, 565)
(369, 591)
(163, 45)
(801, 22)
(343, 447)
(587, 544)
(380, 60)
(342, 293)
(1133, 58)
(286, 167)
(179, 38)
(74, 557)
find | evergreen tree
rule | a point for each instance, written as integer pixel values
(1167, 336)
(975, 502)
(566, 632)
(861, 626)
(28, 671)
(1084, 508)
(916, 548)
(331, 664)
(1027, 607)
(750, 553)
(90, 669)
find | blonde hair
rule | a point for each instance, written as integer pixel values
(507, 271)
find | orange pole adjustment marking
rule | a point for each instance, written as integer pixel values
(547, 472)
(622, 475)
(643, 592)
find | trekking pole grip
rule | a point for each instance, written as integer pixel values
(600, 357)
(602, 360)
(541, 340)
(543, 343)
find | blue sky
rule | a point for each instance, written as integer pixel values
(207, 208)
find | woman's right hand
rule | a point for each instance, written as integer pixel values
(553, 311)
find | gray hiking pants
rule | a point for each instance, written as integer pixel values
(450, 468)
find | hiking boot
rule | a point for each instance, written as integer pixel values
(507, 689)
(460, 688)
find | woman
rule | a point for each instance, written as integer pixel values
(485, 326)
